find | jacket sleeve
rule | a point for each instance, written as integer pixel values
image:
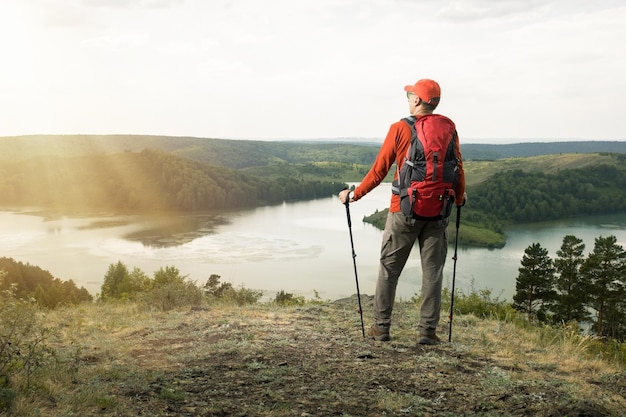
(460, 186)
(384, 160)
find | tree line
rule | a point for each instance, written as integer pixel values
(485, 151)
(572, 286)
(146, 181)
(239, 154)
(235, 154)
(31, 282)
(516, 196)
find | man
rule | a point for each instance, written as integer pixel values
(401, 232)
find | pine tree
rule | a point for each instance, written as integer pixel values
(535, 282)
(114, 280)
(605, 284)
(570, 304)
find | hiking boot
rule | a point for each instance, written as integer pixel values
(377, 333)
(425, 339)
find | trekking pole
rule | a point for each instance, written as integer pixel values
(358, 293)
(456, 243)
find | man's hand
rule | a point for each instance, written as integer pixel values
(464, 200)
(344, 196)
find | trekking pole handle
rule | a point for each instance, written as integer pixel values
(347, 204)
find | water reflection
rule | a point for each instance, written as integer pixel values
(169, 231)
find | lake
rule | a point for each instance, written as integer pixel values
(302, 248)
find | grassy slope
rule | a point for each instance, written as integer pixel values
(265, 360)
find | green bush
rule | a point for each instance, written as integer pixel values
(482, 304)
(216, 289)
(243, 296)
(120, 283)
(172, 295)
(24, 348)
(478, 302)
(224, 291)
(287, 299)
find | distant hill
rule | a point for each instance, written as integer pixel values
(238, 154)
(515, 150)
(146, 181)
(498, 151)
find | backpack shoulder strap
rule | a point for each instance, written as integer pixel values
(409, 120)
(417, 148)
(451, 152)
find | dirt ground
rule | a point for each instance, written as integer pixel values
(313, 361)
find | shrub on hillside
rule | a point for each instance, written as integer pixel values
(172, 295)
(24, 348)
(242, 296)
(477, 302)
(169, 289)
(224, 291)
(481, 304)
(120, 283)
(216, 289)
(33, 282)
(288, 299)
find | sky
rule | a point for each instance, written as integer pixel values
(509, 70)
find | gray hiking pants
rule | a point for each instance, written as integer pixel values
(399, 237)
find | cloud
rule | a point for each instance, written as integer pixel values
(132, 4)
(463, 11)
(117, 41)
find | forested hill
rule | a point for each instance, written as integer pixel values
(146, 181)
(236, 154)
(129, 172)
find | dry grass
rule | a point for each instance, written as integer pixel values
(265, 360)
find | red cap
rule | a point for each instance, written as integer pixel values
(428, 90)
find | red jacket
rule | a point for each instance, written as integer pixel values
(394, 149)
